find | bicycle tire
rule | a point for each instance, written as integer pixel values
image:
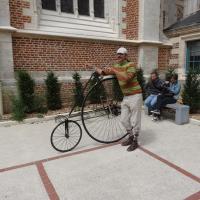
(58, 139)
(107, 114)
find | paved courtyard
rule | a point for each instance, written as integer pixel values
(165, 167)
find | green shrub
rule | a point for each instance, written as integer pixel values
(169, 74)
(191, 91)
(53, 92)
(142, 82)
(39, 104)
(18, 109)
(78, 90)
(26, 90)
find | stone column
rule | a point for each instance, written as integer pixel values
(149, 23)
(6, 52)
(148, 58)
(6, 57)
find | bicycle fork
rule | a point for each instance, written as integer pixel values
(66, 128)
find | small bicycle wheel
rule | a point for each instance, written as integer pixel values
(66, 136)
(101, 112)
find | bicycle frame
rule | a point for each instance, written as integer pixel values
(99, 80)
(68, 133)
(74, 106)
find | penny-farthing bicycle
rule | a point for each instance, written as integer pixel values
(100, 116)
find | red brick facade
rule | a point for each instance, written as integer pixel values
(132, 19)
(46, 54)
(66, 92)
(17, 17)
(39, 54)
(163, 58)
(36, 54)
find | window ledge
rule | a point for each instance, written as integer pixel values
(7, 29)
(61, 35)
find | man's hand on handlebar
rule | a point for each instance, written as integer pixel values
(105, 71)
(99, 70)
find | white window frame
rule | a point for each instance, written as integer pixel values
(58, 12)
(73, 24)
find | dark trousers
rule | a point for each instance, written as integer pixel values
(162, 101)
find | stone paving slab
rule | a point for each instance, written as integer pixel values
(30, 142)
(166, 165)
(114, 174)
(177, 143)
(22, 184)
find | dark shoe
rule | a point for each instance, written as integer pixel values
(156, 112)
(127, 142)
(155, 118)
(133, 146)
(149, 112)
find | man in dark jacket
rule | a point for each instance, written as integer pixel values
(153, 88)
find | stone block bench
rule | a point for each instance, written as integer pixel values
(178, 112)
(181, 112)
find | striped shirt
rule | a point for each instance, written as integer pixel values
(132, 86)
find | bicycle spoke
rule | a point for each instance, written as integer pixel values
(102, 122)
(62, 142)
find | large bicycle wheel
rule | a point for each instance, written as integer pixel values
(101, 112)
(66, 136)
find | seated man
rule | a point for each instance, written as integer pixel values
(169, 96)
(153, 88)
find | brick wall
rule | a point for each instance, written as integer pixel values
(131, 19)
(39, 54)
(66, 92)
(163, 58)
(36, 54)
(17, 17)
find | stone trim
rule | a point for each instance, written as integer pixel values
(63, 76)
(32, 33)
(182, 31)
(7, 29)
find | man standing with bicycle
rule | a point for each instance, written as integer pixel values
(131, 105)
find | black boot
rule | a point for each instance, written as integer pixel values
(127, 142)
(133, 146)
